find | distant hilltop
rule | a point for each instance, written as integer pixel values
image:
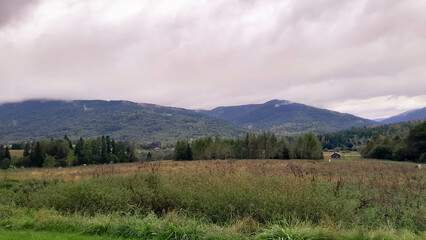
(141, 122)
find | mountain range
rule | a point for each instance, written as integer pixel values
(130, 121)
(416, 114)
(122, 120)
(287, 118)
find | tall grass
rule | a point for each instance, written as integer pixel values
(178, 226)
(226, 199)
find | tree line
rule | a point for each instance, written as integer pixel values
(394, 147)
(356, 138)
(63, 153)
(252, 146)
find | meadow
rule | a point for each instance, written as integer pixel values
(349, 198)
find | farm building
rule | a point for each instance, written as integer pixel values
(335, 155)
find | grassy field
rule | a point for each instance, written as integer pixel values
(33, 235)
(16, 153)
(350, 198)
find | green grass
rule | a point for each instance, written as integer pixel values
(33, 235)
(25, 224)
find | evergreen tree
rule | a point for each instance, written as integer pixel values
(103, 150)
(188, 152)
(416, 142)
(78, 151)
(285, 150)
(27, 150)
(108, 145)
(7, 153)
(36, 156)
(313, 147)
(182, 151)
(130, 154)
(69, 141)
(1, 152)
(113, 148)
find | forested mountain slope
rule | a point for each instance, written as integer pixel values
(417, 114)
(121, 120)
(287, 118)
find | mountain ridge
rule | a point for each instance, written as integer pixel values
(122, 120)
(414, 114)
(283, 115)
(144, 122)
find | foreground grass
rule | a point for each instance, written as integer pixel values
(249, 199)
(48, 224)
(33, 235)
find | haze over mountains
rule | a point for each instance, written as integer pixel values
(129, 121)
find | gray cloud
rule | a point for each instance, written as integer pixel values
(201, 54)
(11, 10)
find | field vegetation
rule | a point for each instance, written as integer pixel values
(352, 198)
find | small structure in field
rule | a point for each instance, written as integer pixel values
(155, 145)
(418, 166)
(335, 155)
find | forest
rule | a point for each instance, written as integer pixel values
(353, 138)
(404, 141)
(63, 153)
(394, 147)
(252, 146)
(400, 142)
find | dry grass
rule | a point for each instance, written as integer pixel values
(16, 153)
(351, 168)
(241, 194)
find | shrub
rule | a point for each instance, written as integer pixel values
(422, 158)
(49, 161)
(4, 164)
(381, 152)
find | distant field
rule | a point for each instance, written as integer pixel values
(16, 153)
(347, 198)
(350, 166)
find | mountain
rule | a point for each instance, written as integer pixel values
(417, 114)
(129, 121)
(287, 118)
(122, 120)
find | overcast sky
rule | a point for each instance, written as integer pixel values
(362, 57)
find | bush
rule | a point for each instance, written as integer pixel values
(400, 153)
(49, 161)
(422, 158)
(381, 152)
(4, 164)
(23, 162)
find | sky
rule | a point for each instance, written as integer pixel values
(362, 57)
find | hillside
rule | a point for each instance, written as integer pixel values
(358, 137)
(287, 118)
(122, 120)
(417, 114)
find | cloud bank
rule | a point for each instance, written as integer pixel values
(351, 56)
